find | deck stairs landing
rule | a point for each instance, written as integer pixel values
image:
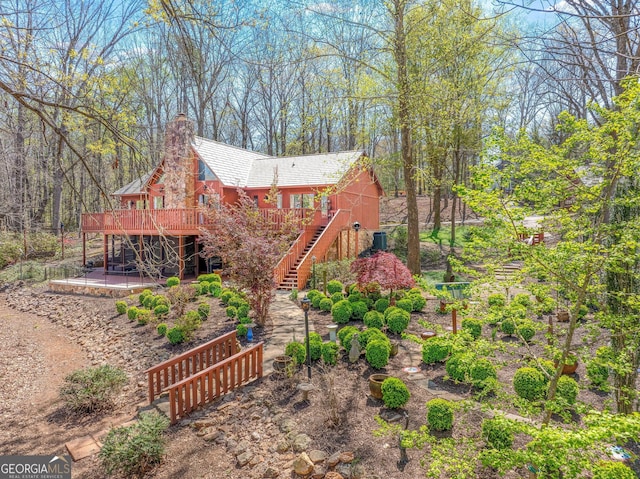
(290, 280)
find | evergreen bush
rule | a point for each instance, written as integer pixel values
(381, 305)
(203, 311)
(497, 300)
(372, 334)
(508, 327)
(334, 286)
(435, 350)
(395, 393)
(613, 470)
(188, 323)
(398, 320)
(93, 389)
(210, 278)
(241, 330)
(315, 346)
(243, 310)
(373, 319)
(132, 313)
(173, 281)
(215, 289)
(231, 312)
(497, 433)
(297, 351)
(458, 365)
(143, 294)
(329, 353)
(405, 304)
(418, 301)
(162, 329)
(358, 310)
(325, 305)
(483, 373)
(338, 296)
(597, 372)
(526, 329)
(315, 302)
(341, 312)
(474, 326)
(312, 294)
(567, 389)
(144, 316)
(439, 414)
(377, 353)
(523, 299)
(226, 295)
(161, 310)
(159, 299)
(529, 383)
(121, 307)
(344, 335)
(148, 301)
(175, 335)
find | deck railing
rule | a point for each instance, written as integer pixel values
(174, 370)
(289, 259)
(224, 376)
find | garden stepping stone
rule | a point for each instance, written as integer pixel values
(83, 447)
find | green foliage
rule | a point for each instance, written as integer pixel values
(377, 353)
(148, 301)
(143, 295)
(132, 451)
(381, 305)
(329, 352)
(93, 389)
(243, 310)
(297, 351)
(483, 373)
(334, 286)
(188, 323)
(203, 311)
(338, 296)
(398, 320)
(529, 383)
(226, 295)
(315, 302)
(436, 349)
(144, 316)
(312, 294)
(474, 326)
(567, 390)
(373, 319)
(354, 296)
(210, 278)
(175, 335)
(161, 310)
(439, 414)
(522, 299)
(236, 301)
(406, 304)
(326, 304)
(241, 330)
(203, 287)
(613, 470)
(458, 365)
(508, 326)
(341, 312)
(293, 295)
(597, 372)
(162, 329)
(121, 307)
(315, 346)
(395, 393)
(160, 299)
(372, 334)
(497, 433)
(497, 300)
(215, 289)
(358, 310)
(173, 281)
(231, 312)
(132, 313)
(418, 301)
(345, 333)
(526, 329)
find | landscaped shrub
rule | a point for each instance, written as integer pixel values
(159, 299)
(526, 329)
(231, 312)
(215, 289)
(297, 351)
(334, 286)
(439, 414)
(372, 334)
(143, 295)
(144, 316)
(173, 281)
(613, 470)
(547, 368)
(236, 301)
(121, 307)
(226, 295)
(398, 320)
(161, 310)
(405, 304)
(243, 310)
(354, 295)
(180, 296)
(241, 330)
(203, 287)
(341, 312)
(329, 353)
(395, 393)
(325, 304)
(597, 372)
(315, 302)
(210, 278)
(508, 326)
(148, 301)
(132, 313)
(435, 350)
(517, 311)
(373, 319)
(345, 333)
(312, 294)
(474, 326)
(529, 383)
(315, 346)
(338, 296)
(162, 329)
(482, 373)
(132, 451)
(377, 353)
(496, 300)
(497, 433)
(381, 305)
(175, 335)
(418, 301)
(203, 311)
(567, 389)
(188, 323)
(358, 310)
(458, 365)
(93, 389)
(523, 299)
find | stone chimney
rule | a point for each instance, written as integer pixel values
(178, 164)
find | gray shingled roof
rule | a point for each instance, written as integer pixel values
(135, 187)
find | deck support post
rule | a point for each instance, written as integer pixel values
(105, 252)
(181, 256)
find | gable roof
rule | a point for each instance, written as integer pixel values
(135, 187)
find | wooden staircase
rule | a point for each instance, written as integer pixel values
(290, 280)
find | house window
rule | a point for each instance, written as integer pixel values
(142, 204)
(158, 202)
(279, 201)
(302, 201)
(204, 172)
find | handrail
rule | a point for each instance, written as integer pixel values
(293, 253)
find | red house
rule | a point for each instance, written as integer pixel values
(157, 225)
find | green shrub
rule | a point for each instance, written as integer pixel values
(418, 301)
(377, 353)
(202, 287)
(435, 350)
(381, 305)
(162, 329)
(341, 312)
(529, 383)
(175, 335)
(334, 286)
(203, 311)
(335, 297)
(508, 327)
(188, 323)
(345, 333)
(315, 302)
(497, 300)
(373, 319)
(405, 304)
(159, 299)
(231, 312)
(474, 326)
(359, 309)
(226, 295)
(241, 330)
(143, 295)
(161, 310)
(497, 433)
(315, 346)
(372, 334)
(148, 301)
(329, 352)
(236, 301)
(312, 294)
(597, 372)
(243, 310)
(132, 451)
(121, 307)
(395, 393)
(523, 299)
(482, 373)
(210, 278)
(297, 351)
(398, 320)
(517, 311)
(458, 365)
(132, 313)
(546, 366)
(215, 289)
(567, 389)
(613, 470)
(173, 281)
(325, 304)
(144, 316)
(526, 329)
(93, 389)
(354, 295)
(439, 414)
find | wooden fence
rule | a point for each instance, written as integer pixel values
(174, 370)
(203, 387)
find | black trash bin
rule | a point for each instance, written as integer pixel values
(379, 241)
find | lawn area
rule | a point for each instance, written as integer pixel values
(443, 236)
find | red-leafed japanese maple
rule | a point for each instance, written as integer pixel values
(383, 268)
(250, 246)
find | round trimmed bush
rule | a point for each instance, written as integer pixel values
(338, 296)
(315, 302)
(329, 352)
(439, 414)
(231, 312)
(354, 296)
(567, 389)
(243, 310)
(209, 278)
(597, 372)
(482, 372)
(529, 383)
(398, 320)
(517, 311)
(334, 286)
(395, 393)
(497, 300)
(203, 310)
(315, 346)
(474, 326)
(527, 330)
(236, 301)
(372, 334)
(373, 319)
(377, 353)
(226, 295)
(523, 299)
(241, 330)
(161, 310)
(508, 327)
(436, 350)
(162, 329)
(175, 335)
(497, 433)
(215, 289)
(381, 305)
(143, 294)
(458, 366)
(159, 299)
(312, 294)
(132, 313)
(173, 281)
(405, 304)
(359, 309)
(202, 287)
(297, 351)
(418, 301)
(345, 333)
(341, 312)
(325, 304)
(121, 307)
(613, 470)
(148, 301)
